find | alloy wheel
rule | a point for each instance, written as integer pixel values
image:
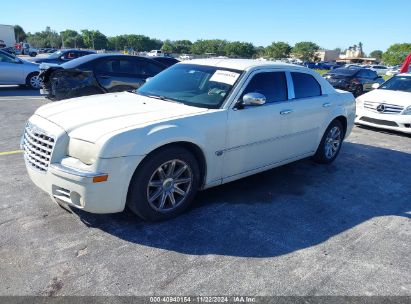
(35, 82)
(169, 185)
(332, 142)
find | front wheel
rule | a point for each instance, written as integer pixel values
(330, 144)
(33, 81)
(164, 185)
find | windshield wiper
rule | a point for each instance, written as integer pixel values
(159, 97)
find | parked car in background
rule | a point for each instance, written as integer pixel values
(155, 53)
(24, 48)
(9, 50)
(166, 60)
(196, 125)
(62, 56)
(388, 106)
(14, 71)
(356, 81)
(379, 69)
(394, 70)
(185, 57)
(96, 74)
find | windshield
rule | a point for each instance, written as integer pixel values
(398, 83)
(347, 72)
(56, 55)
(194, 85)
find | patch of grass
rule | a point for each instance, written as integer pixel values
(321, 72)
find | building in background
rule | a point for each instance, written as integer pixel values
(328, 55)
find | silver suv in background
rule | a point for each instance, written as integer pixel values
(13, 70)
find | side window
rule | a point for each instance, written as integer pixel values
(305, 85)
(273, 85)
(70, 55)
(5, 58)
(372, 74)
(148, 68)
(114, 66)
(104, 66)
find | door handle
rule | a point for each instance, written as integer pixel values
(326, 105)
(286, 112)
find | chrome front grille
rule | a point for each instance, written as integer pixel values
(384, 108)
(37, 146)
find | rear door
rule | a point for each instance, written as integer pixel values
(116, 74)
(305, 115)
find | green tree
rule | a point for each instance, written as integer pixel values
(278, 50)
(182, 46)
(305, 50)
(239, 49)
(71, 38)
(214, 46)
(168, 46)
(47, 38)
(94, 39)
(396, 53)
(376, 54)
(19, 33)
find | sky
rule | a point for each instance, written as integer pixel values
(329, 23)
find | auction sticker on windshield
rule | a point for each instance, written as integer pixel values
(225, 77)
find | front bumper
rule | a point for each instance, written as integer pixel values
(76, 188)
(396, 122)
(68, 180)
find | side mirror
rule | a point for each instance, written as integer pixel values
(375, 85)
(17, 60)
(253, 99)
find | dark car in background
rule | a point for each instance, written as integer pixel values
(62, 56)
(96, 74)
(356, 81)
(168, 61)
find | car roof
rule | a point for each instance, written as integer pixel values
(81, 60)
(241, 64)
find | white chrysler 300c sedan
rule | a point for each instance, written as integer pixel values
(195, 125)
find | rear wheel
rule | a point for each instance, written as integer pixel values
(33, 81)
(330, 144)
(164, 185)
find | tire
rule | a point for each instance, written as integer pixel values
(150, 190)
(33, 82)
(33, 54)
(358, 90)
(328, 150)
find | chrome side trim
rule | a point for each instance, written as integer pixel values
(264, 141)
(76, 172)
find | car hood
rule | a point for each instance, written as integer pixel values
(91, 117)
(387, 96)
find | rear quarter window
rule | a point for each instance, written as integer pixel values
(305, 85)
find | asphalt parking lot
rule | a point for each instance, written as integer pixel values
(301, 229)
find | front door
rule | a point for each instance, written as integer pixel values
(11, 71)
(255, 133)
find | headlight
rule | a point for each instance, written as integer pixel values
(407, 111)
(84, 151)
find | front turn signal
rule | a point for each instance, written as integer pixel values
(100, 178)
